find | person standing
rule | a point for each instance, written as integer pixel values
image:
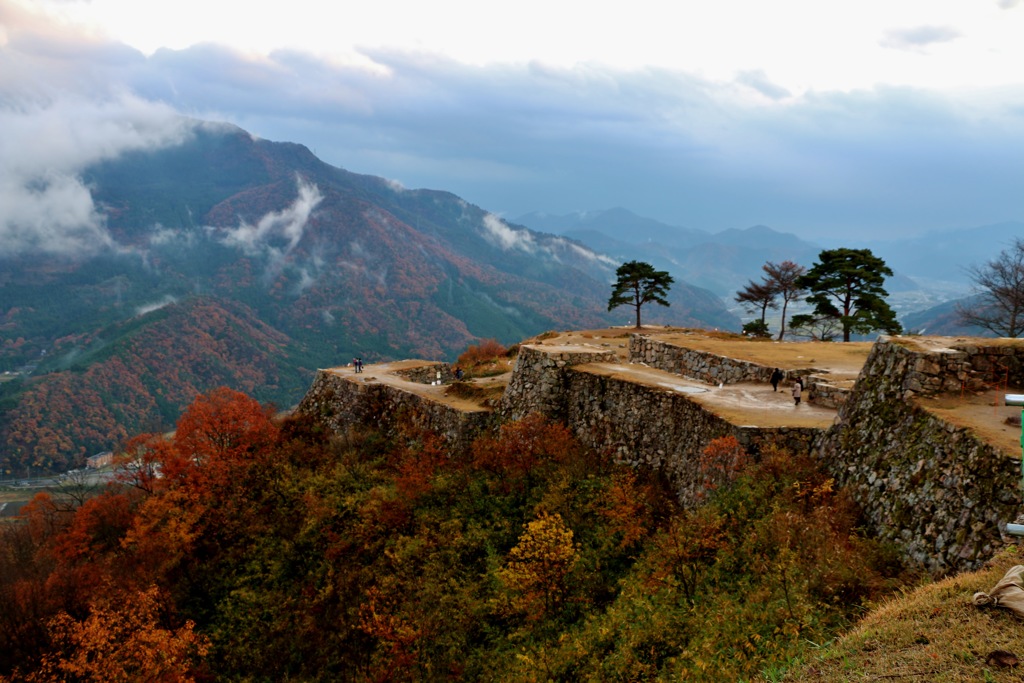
(798, 386)
(775, 379)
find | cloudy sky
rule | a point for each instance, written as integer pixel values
(876, 118)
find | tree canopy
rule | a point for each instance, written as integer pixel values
(779, 280)
(846, 284)
(639, 283)
(1000, 305)
(272, 550)
(784, 279)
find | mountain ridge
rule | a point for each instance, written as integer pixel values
(337, 263)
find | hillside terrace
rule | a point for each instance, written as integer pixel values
(751, 404)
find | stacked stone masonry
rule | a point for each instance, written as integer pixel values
(712, 368)
(936, 491)
(429, 374)
(341, 403)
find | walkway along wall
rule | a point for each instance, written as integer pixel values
(934, 489)
(712, 368)
(341, 402)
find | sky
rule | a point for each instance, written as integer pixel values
(877, 119)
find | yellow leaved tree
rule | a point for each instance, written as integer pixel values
(537, 566)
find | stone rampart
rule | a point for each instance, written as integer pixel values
(825, 394)
(538, 381)
(341, 403)
(702, 366)
(428, 374)
(654, 427)
(936, 490)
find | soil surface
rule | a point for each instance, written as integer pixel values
(983, 413)
(748, 404)
(386, 373)
(838, 362)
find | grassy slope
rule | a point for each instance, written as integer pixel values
(933, 633)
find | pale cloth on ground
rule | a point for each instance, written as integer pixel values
(1008, 593)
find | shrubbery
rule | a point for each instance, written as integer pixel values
(288, 555)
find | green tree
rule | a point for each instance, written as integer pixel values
(639, 283)
(846, 284)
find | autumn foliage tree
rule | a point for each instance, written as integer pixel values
(126, 641)
(538, 565)
(241, 548)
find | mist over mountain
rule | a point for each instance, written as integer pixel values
(270, 263)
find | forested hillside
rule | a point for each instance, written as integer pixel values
(323, 264)
(246, 549)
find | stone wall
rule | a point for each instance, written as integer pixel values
(702, 366)
(824, 394)
(711, 368)
(959, 365)
(428, 374)
(934, 489)
(538, 381)
(660, 428)
(341, 403)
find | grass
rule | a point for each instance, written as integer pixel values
(934, 633)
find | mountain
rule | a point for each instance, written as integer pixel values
(721, 263)
(232, 260)
(615, 222)
(947, 255)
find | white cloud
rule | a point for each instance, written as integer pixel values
(43, 151)
(156, 305)
(499, 233)
(918, 37)
(289, 224)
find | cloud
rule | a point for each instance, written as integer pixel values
(43, 151)
(277, 233)
(156, 305)
(499, 233)
(1008, 4)
(918, 37)
(758, 81)
(519, 137)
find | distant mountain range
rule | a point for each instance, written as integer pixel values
(251, 263)
(930, 270)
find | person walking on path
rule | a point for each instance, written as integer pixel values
(798, 385)
(776, 378)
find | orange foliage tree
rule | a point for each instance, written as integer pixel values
(123, 643)
(721, 461)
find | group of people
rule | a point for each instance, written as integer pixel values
(357, 364)
(798, 385)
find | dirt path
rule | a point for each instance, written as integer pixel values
(746, 404)
(387, 373)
